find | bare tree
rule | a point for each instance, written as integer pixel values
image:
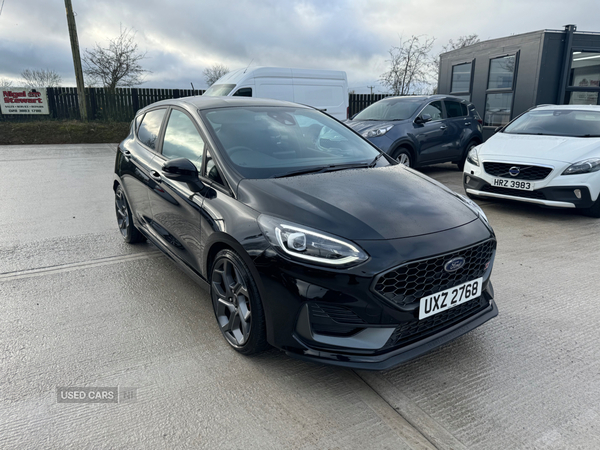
(462, 41)
(213, 73)
(410, 66)
(115, 65)
(5, 83)
(41, 78)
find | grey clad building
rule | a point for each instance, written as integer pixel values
(505, 77)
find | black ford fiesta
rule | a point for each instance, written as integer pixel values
(308, 237)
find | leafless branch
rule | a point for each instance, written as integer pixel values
(213, 73)
(115, 65)
(410, 66)
(41, 78)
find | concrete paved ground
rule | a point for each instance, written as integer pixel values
(80, 308)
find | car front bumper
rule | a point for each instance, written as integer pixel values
(340, 317)
(549, 196)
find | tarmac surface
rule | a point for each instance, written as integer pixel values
(80, 308)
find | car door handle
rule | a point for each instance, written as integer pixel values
(443, 127)
(155, 175)
(467, 124)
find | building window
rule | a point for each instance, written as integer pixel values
(497, 109)
(461, 80)
(499, 98)
(584, 79)
(502, 73)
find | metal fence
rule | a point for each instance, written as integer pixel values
(121, 104)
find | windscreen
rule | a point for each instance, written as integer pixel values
(219, 90)
(263, 142)
(392, 109)
(557, 122)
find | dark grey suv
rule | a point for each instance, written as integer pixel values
(421, 130)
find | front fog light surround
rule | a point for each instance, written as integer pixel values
(377, 131)
(310, 245)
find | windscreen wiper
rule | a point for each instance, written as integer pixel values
(322, 169)
(374, 162)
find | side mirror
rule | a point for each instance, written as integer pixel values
(423, 118)
(180, 169)
(183, 170)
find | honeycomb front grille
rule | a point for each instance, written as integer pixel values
(526, 172)
(413, 331)
(407, 284)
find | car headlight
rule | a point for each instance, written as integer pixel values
(585, 166)
(473, 156)
(377, 131)
(310, 245)
(474, 207)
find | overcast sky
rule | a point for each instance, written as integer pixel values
(182, 37)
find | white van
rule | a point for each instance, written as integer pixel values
(326, 90)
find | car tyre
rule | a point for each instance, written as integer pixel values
(594, 210)
(130, 233)
(461, 164)
(403, 156)
(237, 304)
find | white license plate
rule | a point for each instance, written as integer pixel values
(513, 184)
(444, 300)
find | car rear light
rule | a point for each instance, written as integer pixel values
(480, 120)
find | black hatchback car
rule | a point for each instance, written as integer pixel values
(307, 237)
(421, 130)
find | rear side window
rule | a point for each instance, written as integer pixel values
(455, 109)
(150, 128)
(243, 92)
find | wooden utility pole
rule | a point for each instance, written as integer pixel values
(76, 60)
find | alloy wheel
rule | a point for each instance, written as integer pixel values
(404, 158)
(232, 302)
(122, 212)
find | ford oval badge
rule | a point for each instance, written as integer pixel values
(454, 264)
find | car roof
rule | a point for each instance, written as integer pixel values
(570, 107)
(201, 102)
(427, 97)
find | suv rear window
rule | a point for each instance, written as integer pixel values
(455, 109)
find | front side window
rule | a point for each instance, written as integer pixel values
(212, 171)
(182, 139)
(150, 128)
(390, 109)
(243, 92)
(434, 109)
(263, 142)
(557, 122)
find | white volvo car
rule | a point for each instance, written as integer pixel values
(549, 156)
